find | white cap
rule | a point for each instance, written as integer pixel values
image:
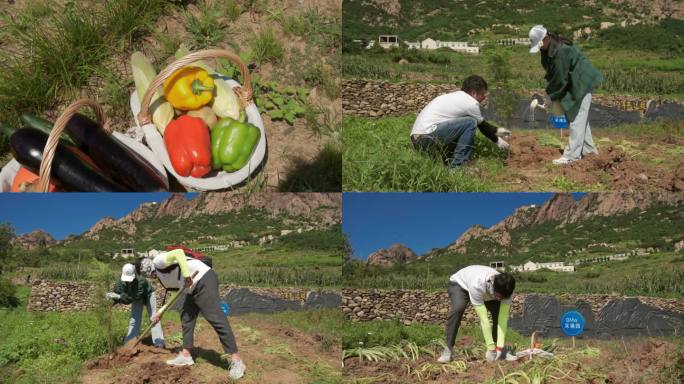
(159, 262)
(537, 34)
(128, 273)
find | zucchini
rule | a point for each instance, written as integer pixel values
(143, 74)
(114, 158)
(41, 124)
(68, 170)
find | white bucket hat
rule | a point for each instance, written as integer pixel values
(537, 34)
(128, 273)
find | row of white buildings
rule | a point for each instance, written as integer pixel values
(393, 41)
(560, 266)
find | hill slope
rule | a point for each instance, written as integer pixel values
(447, 20)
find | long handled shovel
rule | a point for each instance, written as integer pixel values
(133, 342)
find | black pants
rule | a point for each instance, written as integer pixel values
(459, 301)
(205, 299)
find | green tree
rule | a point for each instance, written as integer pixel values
(6, 235)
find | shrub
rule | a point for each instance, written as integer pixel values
(8, 294)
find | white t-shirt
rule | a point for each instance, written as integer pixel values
(478, 280)
(446, 107)
(175, 280)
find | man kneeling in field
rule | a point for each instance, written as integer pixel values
(488, 291)
(450, 120)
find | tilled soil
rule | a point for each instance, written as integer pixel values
(631, 361)
(612, 167)
(273, 354)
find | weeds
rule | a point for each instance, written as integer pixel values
(266, 47)
(207, 28)
(427, 370)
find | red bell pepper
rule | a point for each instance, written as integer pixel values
(189, 146)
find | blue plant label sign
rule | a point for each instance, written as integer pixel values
(559, 121)
(572, 323)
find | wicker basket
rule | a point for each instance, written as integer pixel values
(215, 179)
(10, 170)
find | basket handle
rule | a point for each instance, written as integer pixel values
(243, 93)
(53, 139)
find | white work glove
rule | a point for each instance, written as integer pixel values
(503, 132)
(491, 356)
(502, 144)
(113, 296)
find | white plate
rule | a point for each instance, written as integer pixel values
(217, 180)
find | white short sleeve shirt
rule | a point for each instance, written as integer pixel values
(478, 280)
(446, 107)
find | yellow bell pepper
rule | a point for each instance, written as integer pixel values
(189, 88)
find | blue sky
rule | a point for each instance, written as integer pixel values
(423, 221)
(62, 214)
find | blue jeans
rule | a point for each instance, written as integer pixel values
(458, 134)
(136, 319)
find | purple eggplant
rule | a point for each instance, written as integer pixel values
(118, 161)
(68, 169)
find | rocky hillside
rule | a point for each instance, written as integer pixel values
(324, 208)
(561, 226)
(558, 212)
(33, 240)
(396, 254)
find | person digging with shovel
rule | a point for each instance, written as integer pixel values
(570, 80)
(450, 121)
(489, 291)
(135, 290)
(174, 270)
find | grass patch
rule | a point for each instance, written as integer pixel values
(379, 156)
(266, 47)
(206, 28)
(51, 347)
(57, 54)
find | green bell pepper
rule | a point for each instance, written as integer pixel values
(232, 143)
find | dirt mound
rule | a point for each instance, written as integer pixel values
(611, 165)
(526, 152)
(157, 372)
(123, 356)
(143, 364)
(676, 183)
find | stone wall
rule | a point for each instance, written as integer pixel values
(382, 99)
(59, 296)
(639, 315)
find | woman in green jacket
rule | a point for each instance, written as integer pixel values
(134, 289)
(570, 79)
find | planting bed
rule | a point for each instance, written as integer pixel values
(626, 361)
(273, 353)
(617, 167)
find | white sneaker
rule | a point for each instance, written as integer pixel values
(562, 160)
(237, 369)
(180, 360)
(445, 357)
